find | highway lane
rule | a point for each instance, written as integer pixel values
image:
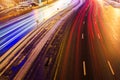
(101, 68)
(110, 38)
(76, 52)
(18, 25)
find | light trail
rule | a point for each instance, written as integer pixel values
(16, 25)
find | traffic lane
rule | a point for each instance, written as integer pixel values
(82, 50)
(26, 38)
(16, 20)
(111, 37)
(101, 58)
(101, 70)
(74, 58)
(12, 41)
(8, 35)
(98, 47)
(106, 62)
(81, 60)
(86, 59)
(25, 44)
(67, 66)
(11, 27)
(8, 38)
(26, 49)
(101, 67)
(60, 54)
(111, 50)
(19, 62)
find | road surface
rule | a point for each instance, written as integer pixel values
(85, 46)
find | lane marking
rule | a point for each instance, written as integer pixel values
(83, 22)
(110, 66)
(82, 35)
(84, 68)
(98, 35)
(59, 57)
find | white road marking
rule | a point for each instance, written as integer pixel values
(110, 66)
(83, 22)
(84, 68)
(82, 35)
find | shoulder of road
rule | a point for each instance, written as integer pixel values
(16, 11)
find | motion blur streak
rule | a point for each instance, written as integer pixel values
(80, 42)
(34, 18)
